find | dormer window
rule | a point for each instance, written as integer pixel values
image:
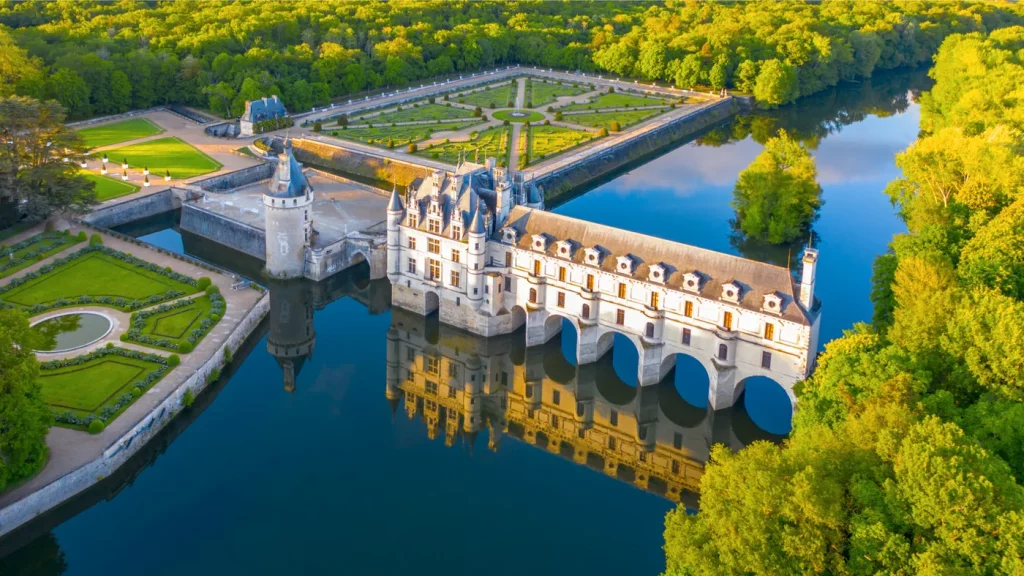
(456, 231)
(657, 273)
(564, 249)
(540, 242)
(730, 292)
(508, 236)
(772, 304)
(691, 282)
(414, 220)
(434, 225)
(624, 265)
(593, 256)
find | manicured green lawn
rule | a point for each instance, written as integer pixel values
(172, 153)
(245, 150)
(399, 135)
(115, 132)
(107, 188)
(494, 97)
(605, 119)
(531, 116)
(618, 100)
(543, 92)
(426, 111)
(168, 329)
(490, 142)
(549, 140)
(93, 274)
(42, 246)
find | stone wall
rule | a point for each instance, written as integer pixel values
(238, 178)
(226, 231)
(599, 164)
(133, 440)
(316, 154)
(135, 209)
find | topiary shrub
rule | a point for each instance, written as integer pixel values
(602, 132)
(317, 126)
(212, 289)
(547, 122)
(173, 360)
(110, 345)
(615, 126)
(203, 283)
(136, 392)
(95, 239)
(185, 347)
(124, 337)
(215, 318)
(82, 236)
(411, 148)
(96, 426)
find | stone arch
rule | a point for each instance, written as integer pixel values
(625, 360)
(766, 402)
(689, 375)
(518, 317)
(431, 302)
(560, 352)
(677, 409)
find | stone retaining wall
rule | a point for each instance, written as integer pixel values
(238, 178)
(316, 154)
(72, 483)
(135, 209)
(225, 231)
(595, 166)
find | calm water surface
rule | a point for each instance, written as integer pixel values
(336, 461)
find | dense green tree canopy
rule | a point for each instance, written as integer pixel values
(24, 419)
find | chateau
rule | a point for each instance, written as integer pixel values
(489, 260)
(261, 110)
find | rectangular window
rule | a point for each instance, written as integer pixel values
(677, 441)
(433, 245)
(611, 443)
(508, 284)
(430, 387)
(620, 317)
(654, 300)
(508, 259)
(766, 360)
(432, 365)
(536, 267)
(412, 266)
(561, 299)
(622, 290)
(688, 309)
(455, 256)
(614, 417)
(561, 273)
(727, 320)
(412, 243)
(769, 331)
(590, 282)
(686, 336)
(413, 220)
(554, 421)
(455, 279)
(451, 392)
(456, 232)
(434, 225)
(435, 270)
(556, 397)
(453, 370)
(410, 354)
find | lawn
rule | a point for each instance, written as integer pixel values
(605, 119)
(490, 142)
(101, 386)
(169, 325)
(94, 274)
(550, 140)
(32, 250)
(543, 92)
(426, 111)
(618, 100)
(162, 154)
(399, 135)
(108, 188)
(116, 132)
(494, 97)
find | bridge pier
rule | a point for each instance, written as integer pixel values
(538, 329)
(721, 387)
(653, 367)
(590, 346)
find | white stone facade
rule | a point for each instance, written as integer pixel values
(738, 317)
(289, 220)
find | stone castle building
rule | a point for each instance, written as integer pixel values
(288, 202)
(261, 110)
(490, 261)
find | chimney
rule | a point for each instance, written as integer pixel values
(810, 262)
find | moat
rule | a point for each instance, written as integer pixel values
(329, 472)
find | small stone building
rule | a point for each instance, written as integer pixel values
(261, 110)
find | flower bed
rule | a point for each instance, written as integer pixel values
(145, 324)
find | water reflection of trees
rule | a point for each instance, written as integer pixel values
(813, 118)
(46, 332)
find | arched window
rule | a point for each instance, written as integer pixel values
(586, 311)
(650, 330)
(723, 352)
(533, 295)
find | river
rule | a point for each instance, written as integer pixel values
(330, 457)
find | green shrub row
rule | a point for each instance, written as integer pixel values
(32, 255)
(271, 124)
(138, 323)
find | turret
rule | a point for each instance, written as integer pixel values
(395, 213)
(477, 236)
(289, 220)
(810, 262)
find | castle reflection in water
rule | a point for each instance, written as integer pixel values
(460, 385)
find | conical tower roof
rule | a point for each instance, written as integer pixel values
(477, 225)
(395, 204)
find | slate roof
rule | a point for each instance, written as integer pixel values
(755, 279)
(460, 196)
(288, 181)
(264, 109)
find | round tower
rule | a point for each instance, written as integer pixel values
(395, 214)
(477, 235)
(288, 218)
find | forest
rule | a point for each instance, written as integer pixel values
(98, 58)
(906, 450)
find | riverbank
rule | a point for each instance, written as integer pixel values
(78, 459)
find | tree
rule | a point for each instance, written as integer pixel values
(15, 65)
(994, 258)
(24, 418)
(777, 197)
(68, 88)
(120, 91)
(33, 166)
(776, 84)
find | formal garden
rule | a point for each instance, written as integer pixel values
(500, 96)
(108, 188)
(163, 155)
(178, 326)
(117, 132)
(421, 112)
(31, 250)
(391, 136)
(540, 92)
(492, 142)
(545, 141)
